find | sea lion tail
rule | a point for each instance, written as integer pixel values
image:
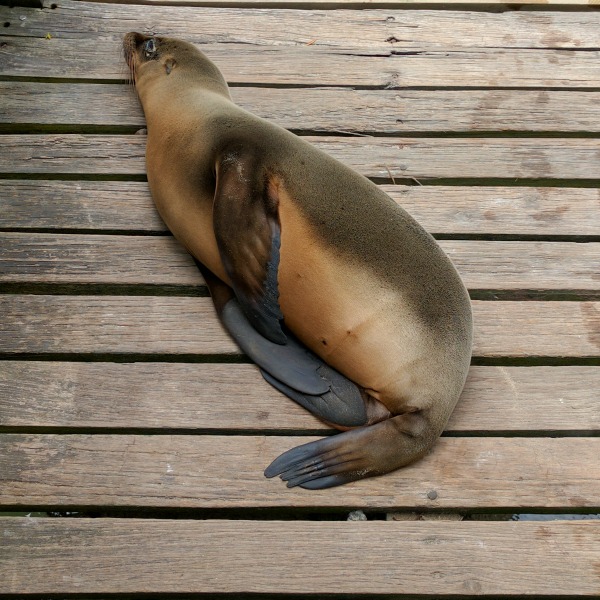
(356, 454)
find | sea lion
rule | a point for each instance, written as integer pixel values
(345, 302)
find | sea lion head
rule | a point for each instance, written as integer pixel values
(161, 60)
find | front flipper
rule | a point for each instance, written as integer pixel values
(247, 230)
(298, 373)
(289, 362)
(355, 454)
(291, 367)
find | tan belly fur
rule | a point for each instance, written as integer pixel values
(342, 312)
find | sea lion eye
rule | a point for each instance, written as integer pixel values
(149, 48)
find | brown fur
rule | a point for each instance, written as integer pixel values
(360, 282)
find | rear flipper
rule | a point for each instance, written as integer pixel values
(342, 403)
(355, 454)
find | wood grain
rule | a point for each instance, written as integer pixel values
(80, 205)
(97, 324)
(227, 471)
(426, 158)
(390, 112)
(179, 325)
(582, 4)
(366, 29)
(244, 64)
(127, 206)
(171, 396)
(117, 259)
(55, 556)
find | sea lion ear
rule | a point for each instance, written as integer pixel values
(247, 230)
(169, 65)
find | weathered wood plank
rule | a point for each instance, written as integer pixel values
(319, 66)
(373, 29)
(97, 324)
(180, 325)
(85, 205)
(55, 556)
(117, 259)
(127, 206)
(526, 265)
(356, 3)
(374, 157)
(226, 471)
(323, 109)
(95, 259)
(171, 396)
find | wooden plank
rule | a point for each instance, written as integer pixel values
(203, 397)
(372, 29)
(496, 210)
(323, 109)
(319, 66)
(526, 265)
(55, 556)
(227, 472)
(105, 259)
(179, 325)
(117, 259)
(374, 157)
(85, 205)
(471, 4)
(127, 206)
(99, 324)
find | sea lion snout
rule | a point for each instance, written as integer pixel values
(130, 42)
(134, 39)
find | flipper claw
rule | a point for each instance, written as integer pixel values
(289, 459)
(325, 482)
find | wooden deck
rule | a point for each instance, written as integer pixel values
(129, 422)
